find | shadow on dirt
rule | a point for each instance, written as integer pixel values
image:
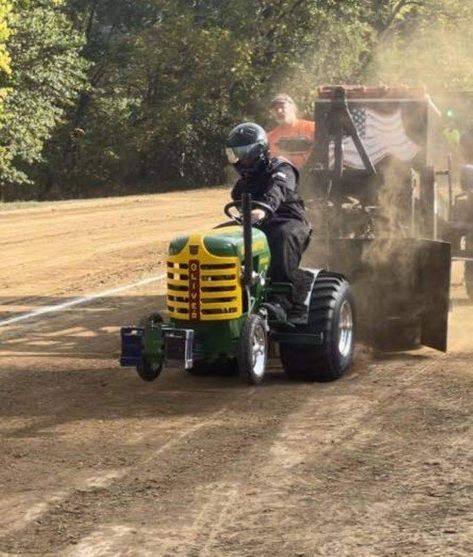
(47, 399)
(84, 331)
(59, 368)
(63, 367)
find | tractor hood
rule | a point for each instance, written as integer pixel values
(221, 242)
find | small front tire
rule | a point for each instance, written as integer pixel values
(253, 350)
(147, 370)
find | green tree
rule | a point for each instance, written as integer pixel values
(47, 73)
(170, 77)
(5, 60)
(5, 12)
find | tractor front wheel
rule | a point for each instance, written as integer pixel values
(147, 370)
(253, 350)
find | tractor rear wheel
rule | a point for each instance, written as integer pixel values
(253, 350)
(332, 315)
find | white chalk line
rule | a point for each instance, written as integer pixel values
(78, 301)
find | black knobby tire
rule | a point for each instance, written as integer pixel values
(150, 318)
(331, 305)
(253, 350)
(147, 370)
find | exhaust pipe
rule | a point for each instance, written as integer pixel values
(247, 239)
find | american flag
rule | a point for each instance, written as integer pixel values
(382, 134)
(359, 118)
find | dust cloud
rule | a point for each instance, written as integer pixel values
(461, 314)
(436, 56)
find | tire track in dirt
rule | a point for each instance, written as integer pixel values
(211, 532)
(375, 464)
(106, 494)
(64, 249)
(217, 505)
(278, 453)
(97, 481)
(34, 508)
(287, 452)
(287, 477)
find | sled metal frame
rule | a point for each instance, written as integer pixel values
(428, 299)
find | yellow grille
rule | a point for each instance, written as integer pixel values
(202, 286)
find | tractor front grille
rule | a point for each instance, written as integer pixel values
(204, 289)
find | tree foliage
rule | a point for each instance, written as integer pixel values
(5, 12)
(46, 73)
(430, 47)
(141, 95)
(170, 81)
(5, 60)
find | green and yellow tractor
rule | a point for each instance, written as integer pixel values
(220, 314)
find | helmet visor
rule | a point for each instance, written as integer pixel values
(244, 155)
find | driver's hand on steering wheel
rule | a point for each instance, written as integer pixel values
(257, 215)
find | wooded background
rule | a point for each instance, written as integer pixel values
(105, 97)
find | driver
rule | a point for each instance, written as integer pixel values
(274, 182)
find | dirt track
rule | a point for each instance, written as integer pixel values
(95, 462)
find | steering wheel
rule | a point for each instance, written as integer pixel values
(238, 205)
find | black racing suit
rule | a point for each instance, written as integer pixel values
(287, 230)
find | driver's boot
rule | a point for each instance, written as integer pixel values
(275, 311)
(278, 307)
(298, 313)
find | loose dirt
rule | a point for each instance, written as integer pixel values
(94, 462)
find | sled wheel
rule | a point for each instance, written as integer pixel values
(253, 350)
(331, 314)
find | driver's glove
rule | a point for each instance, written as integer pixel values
(257, 215)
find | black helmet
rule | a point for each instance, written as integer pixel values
(247, 148)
